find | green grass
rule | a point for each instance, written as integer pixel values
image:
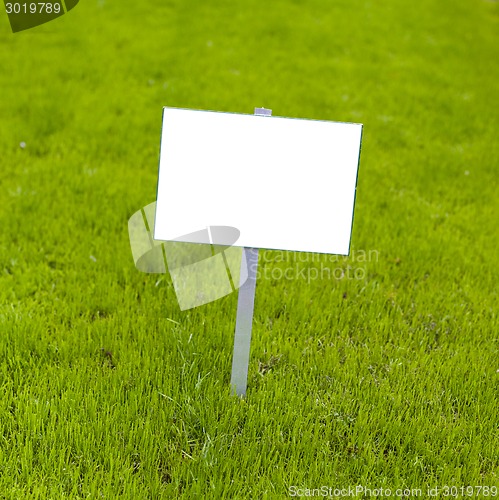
(390, 380)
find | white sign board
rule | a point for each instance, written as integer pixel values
(284, 183)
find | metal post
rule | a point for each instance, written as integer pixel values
(245, 308)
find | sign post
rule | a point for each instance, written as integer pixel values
(244, 322)
(245, 308)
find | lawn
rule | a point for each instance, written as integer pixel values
(381, 374)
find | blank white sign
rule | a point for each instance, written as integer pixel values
(284, 183)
